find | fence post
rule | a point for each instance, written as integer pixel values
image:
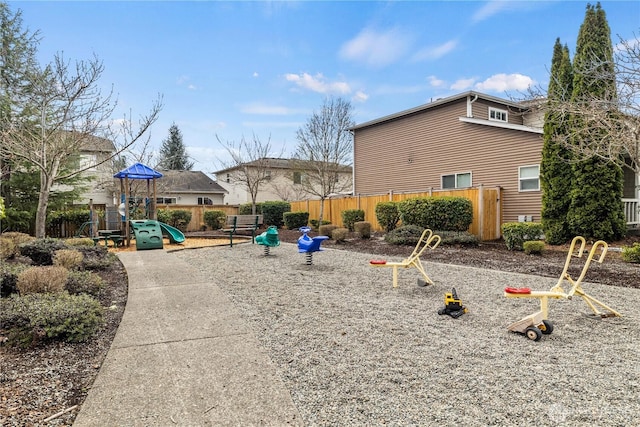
(481, 211)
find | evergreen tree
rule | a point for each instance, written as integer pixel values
(596, 209)
(173, 154)
(555, 168)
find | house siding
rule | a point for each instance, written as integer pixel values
(411, 153)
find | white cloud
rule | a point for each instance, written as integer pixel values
(318, 83)
(463, 84)
(255, 74)
(376, 48)
(504, 82)
(489, 9)
(260, 108)
(192, 87)
(360, 96)
(436, 82)
(435, 52)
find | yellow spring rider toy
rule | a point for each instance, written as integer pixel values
(537, 324)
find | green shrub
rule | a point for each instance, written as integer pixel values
(67, 258)
(9, 273)
(73, 216)
(314, 223)
(387, 215)
(245, 209)
(631, 253)
(326, 230)
(84, 282)
(340, 234)
(404, 235)
(273, 212)
(351, 216)
(215, 219)
(80, 241)
(72, 318)
(295, 220)
(462, 238)
(18, 221)
(41, 250)
(516, 233)
(96, 257)
(18, 237)
(363, 228)
(42, 279)
(180, 219)
(533, 247)
(437, 213)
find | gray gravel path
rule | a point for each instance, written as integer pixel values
(352, 350)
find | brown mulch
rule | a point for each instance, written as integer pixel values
(49, 378)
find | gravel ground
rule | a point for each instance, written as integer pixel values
(355, 351)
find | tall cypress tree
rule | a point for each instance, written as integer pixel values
(555, 168)
(173, 153)
(596, 209)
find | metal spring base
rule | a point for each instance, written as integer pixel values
(266, 250)
(309, 258)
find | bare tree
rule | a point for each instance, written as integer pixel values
(325, 150)
(60, 110)
(610, 122)
(250, 164)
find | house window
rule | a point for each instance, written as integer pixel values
(204, 201)
(297, 178)
(529, 178)
(267, 175)
(456, 180)
(497, 114)
(165, 200)
(228, 178)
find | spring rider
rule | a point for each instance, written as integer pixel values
(309, 245)
(269, 239)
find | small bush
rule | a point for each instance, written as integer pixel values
(96, 257)
(533, 247)
(516, 233)
(295, 220)
(246, 208)
(351, 216)
(8, 249)
(340, 234)
(68, 258)
(80, 241)
(215, 219)
(84, 282)
(387, 215)
(72, 318)
(9, 273)
(405, 235)
(42, 279)
(273, 212)
(326, 230)
(314, 223)
(631, 253)
(437, 213)
(41, 250)
(17, 237)
(363, 228)
(462, 238)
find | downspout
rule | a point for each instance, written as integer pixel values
(469, 102)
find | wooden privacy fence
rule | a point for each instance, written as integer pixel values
(486, 202)
(197, 213)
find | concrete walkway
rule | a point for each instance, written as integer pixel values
(183, 356)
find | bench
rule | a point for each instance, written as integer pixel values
(237, 223)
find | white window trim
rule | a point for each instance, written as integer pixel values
(501, 111)
(520, 179)
(456, 178)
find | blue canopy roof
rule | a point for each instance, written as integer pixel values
(138, 171)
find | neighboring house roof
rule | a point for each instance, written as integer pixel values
(98, 144)
(179, 181)
(521, 106)
(279, 163)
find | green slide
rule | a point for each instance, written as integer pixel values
(175, 235)
(148, 234)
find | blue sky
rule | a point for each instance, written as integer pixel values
(234, 69)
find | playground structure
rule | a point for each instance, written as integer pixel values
(269, 239)
(427, 240)
(537, 324)
(309, 245)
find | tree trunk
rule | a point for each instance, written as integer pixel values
(321, 211)
(43, 204)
